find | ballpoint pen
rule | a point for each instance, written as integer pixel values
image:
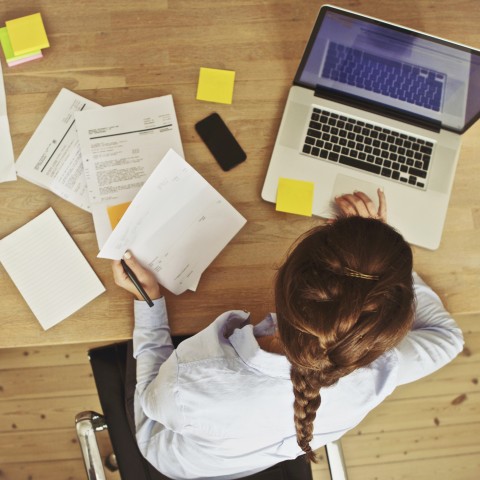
(135, 281)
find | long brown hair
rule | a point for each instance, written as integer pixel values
(344, 296)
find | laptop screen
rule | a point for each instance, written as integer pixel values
(391, 66)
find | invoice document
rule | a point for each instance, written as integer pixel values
(121, 145)
(52, 158)
(176, 225)
(48, 269)
(7, 165)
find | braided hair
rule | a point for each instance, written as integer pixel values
(344, 296)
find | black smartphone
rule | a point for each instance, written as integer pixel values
(220, 141)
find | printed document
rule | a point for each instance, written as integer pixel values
(176, 225)
(121, 145)
(7, 165)
(52, 158)
(48, 269)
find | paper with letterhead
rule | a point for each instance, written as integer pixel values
(48, 269)
(121, 146)
(7, 161)
(52, 158)
(176, 225)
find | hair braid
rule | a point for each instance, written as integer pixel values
(344, 296)
(306, 390)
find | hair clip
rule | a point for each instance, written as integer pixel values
(349, 272)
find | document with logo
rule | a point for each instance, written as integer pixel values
(176, 225)
(121, 145)
(52, 159)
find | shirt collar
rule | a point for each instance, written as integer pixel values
(247, 348)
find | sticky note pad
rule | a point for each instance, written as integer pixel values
(8, 50)
(215, 85)
(27, 34)
(115, 213)
(295, 196)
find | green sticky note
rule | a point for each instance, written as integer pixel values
(215, 85)
(27, 34)
(295, 196)
(8, 50)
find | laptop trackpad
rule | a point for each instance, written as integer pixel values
(346, 184)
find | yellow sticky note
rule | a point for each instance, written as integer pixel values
(27, 34)
(115, 213)
(215, 85)
(295, 196)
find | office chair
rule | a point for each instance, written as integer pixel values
(109, 366)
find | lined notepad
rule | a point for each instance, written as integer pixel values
(48, 269)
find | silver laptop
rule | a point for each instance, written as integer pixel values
(378, 105)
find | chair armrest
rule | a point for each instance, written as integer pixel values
(86, 424)
(336, 462)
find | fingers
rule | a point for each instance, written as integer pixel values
(382, 205)
(145, 277)
(362, 205)
(140, 272)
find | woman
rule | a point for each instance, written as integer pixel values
(352, 323)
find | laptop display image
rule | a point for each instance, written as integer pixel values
(375, 105)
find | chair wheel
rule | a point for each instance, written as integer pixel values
(111, 462)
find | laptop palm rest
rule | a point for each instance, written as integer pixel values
(293, 130)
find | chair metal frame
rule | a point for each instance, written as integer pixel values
(88, 423)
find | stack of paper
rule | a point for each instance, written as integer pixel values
(23, 39)
(120, 147)
(176, 225)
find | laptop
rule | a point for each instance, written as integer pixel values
(373, 105)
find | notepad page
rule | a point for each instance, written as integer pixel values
(48, 269)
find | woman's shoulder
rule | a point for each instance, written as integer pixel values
(212, 342)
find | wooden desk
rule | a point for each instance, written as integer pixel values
(118, 51)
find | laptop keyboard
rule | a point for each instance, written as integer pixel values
(403, 81)
(368, 147)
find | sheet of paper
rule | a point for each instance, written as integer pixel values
(295, 196)
(52, 157)
(215, 85)
(48, 269)
(7, 164)
(176, 225)
(121, 145)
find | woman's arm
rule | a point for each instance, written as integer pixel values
(152, 342)
(435, 338)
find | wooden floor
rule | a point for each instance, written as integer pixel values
(426, 430)
(429, 430)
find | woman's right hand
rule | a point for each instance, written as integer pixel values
(358, 203)
(144, 276)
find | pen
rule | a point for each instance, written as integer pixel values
(135, 281)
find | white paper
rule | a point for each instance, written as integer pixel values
(48, 269)
(176, 225)
(7, 165)
(121, 145)
(52, 157)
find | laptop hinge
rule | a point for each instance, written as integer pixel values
(416, 120)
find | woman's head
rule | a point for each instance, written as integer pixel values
(344, 296)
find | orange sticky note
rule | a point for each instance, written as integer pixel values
(115, 213)
(215, 85)
(295, 196)
(27, 34)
